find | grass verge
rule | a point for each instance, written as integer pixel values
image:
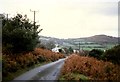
(73, 76)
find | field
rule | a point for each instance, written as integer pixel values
(88, 68)
(89, 46)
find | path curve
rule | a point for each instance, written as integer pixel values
(49, 71)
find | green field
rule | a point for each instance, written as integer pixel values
(90, 46)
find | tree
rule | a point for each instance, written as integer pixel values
(70, 50)
(96, 53)
(113, 54)
(19, 34)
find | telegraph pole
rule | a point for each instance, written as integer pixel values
(79, 47)
(34, 17)
(7, 17)
(34, 20)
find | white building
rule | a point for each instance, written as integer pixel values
(57, 49)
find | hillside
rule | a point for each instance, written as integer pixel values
(95, 38)
(102, 39)
(96, 41)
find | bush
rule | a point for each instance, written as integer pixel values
(113, 54)
(41, 59)
(96, 53)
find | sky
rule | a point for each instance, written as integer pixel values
(68, 18)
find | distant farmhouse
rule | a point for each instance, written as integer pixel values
(57, 49)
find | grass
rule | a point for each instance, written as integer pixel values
(73, 76)
(11, 76)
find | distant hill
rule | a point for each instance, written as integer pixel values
(102, 39)
(95, 38)
(45, 39)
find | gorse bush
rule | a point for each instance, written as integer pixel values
(19, 34)
(92, 68)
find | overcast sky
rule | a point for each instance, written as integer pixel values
(68, 18)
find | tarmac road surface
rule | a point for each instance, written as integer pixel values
(49, 71)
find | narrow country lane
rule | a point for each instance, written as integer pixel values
(49, 71)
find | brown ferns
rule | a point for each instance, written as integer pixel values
(12, 63)
(91, 67)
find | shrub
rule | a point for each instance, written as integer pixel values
(96, 53)
(113, 54)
